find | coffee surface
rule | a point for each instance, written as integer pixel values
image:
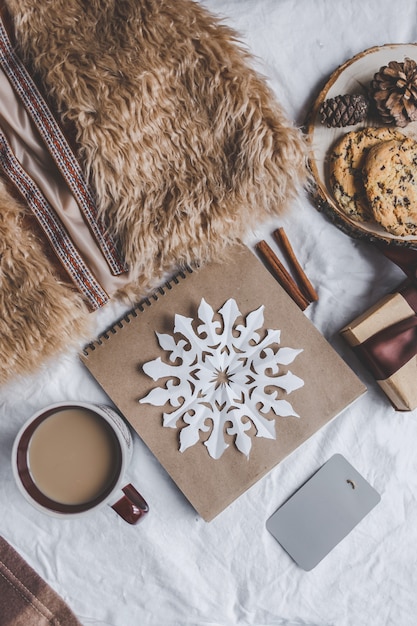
(73, 456)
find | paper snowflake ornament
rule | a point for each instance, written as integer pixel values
(228, 377)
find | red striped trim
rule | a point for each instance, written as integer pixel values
(58, 148)
(52, 226)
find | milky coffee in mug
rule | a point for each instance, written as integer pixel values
(70, 458)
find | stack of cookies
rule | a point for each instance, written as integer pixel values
(373, 176)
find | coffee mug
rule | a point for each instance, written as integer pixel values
(70, 458)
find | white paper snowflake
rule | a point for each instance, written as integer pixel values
(224, 369)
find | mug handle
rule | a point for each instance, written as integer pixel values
(132, 507)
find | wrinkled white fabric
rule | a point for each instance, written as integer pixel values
(176, 570)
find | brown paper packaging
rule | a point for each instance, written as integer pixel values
(400, 387)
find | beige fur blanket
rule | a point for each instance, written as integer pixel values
(182, 141)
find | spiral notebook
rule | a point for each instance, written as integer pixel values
(147, 364)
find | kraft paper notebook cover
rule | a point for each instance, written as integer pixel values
(319, 387)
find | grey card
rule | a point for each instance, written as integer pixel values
(322, 512)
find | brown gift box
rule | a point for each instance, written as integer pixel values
(393, 314)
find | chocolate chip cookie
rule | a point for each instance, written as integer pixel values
(390, 182)
(346, 162)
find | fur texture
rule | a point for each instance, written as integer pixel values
(39, 313)
(183, 142)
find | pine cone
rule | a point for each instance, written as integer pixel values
(344, 110)
(394, 91)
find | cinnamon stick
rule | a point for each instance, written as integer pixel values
(281, 274)
(306, 286)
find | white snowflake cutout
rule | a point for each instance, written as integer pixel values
(223, 369)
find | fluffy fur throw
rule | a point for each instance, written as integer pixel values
(39, 313)
(184, 144)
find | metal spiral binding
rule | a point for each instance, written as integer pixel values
(140, 307)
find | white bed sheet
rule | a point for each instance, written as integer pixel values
(175, 569)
